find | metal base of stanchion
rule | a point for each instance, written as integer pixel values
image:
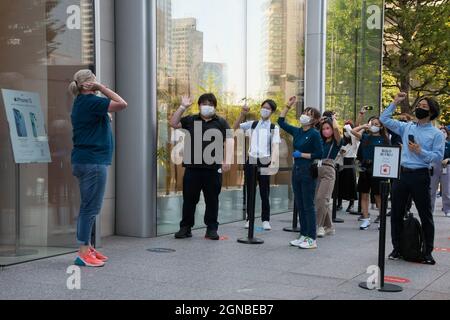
(290, 229)
(386, 288)
(250, 241)
(338, 220)
(18, 253)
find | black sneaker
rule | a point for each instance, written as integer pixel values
(350, 208)
(339, 208)
(377, 220)
(428, 259)
(212, 234)
(185, 232)
(395, 255)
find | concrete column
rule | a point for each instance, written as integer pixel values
(136, 138)
(315, 53)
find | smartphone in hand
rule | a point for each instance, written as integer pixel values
(411, 138)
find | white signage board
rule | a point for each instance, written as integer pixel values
(386, 163)
(26, 127)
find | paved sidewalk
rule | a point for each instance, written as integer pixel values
(204, 269)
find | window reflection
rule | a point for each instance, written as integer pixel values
(42, 44)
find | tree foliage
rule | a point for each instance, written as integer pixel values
(417, 49)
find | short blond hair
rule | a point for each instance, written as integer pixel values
(79, 79)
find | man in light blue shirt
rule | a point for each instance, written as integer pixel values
(422, 145)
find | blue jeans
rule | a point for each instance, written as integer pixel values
(92, 179)
(304, 187)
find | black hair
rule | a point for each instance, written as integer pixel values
(383, 131)
(328, 114)
(208, 97)
(271, 103)
(434, 107)
(330, 123)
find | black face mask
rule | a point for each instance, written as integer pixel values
(422, 113)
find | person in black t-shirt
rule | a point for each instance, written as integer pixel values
(203, 161)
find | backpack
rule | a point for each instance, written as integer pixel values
(412, 246)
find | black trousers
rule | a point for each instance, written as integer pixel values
(415, 185)
(195, 181)
(264, 190)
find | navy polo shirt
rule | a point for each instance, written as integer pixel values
(92, 134)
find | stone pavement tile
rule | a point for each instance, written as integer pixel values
(286, 292)
(441, 285)
(306, 280)
(430, 295)
(244, 295)
(347, 296)
(351, 287)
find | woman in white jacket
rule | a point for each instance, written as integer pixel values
(347, 173)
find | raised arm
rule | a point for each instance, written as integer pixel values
(337, 132)
(117, 102)
(357, 131)
(282, 120)
(244, 112)
(386, 117)
(174, 122)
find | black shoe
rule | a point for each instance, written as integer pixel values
(185, 232)
(428, 259)
(339, 208)
(212, 234)
(377, 220)
(395, 255)
(350, 208)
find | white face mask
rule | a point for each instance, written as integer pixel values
(265, 113)
(305, 120)
(375, 129)
(207, 111)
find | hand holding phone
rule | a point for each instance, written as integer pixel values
(411, 138)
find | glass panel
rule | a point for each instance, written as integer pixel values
(42, 44)
(353, 56)
(257, 54)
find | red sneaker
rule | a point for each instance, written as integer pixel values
(88, 260)
(99, 255)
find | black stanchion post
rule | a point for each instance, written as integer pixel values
(359, 212)
(295, 227)
(244, 201)
(335, 197)
(383, 287)
(251, 208)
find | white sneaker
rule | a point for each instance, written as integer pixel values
(321, 232)
(330, 231)
(247, 224)
(297, 242)
(266, 225)
(447, 214)
(308, 244)
(365, 224)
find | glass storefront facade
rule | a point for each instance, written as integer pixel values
(236, 49)
(241, 50)
(42, 44)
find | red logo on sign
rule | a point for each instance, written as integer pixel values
(385, 169)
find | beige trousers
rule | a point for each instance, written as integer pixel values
(324, 192)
